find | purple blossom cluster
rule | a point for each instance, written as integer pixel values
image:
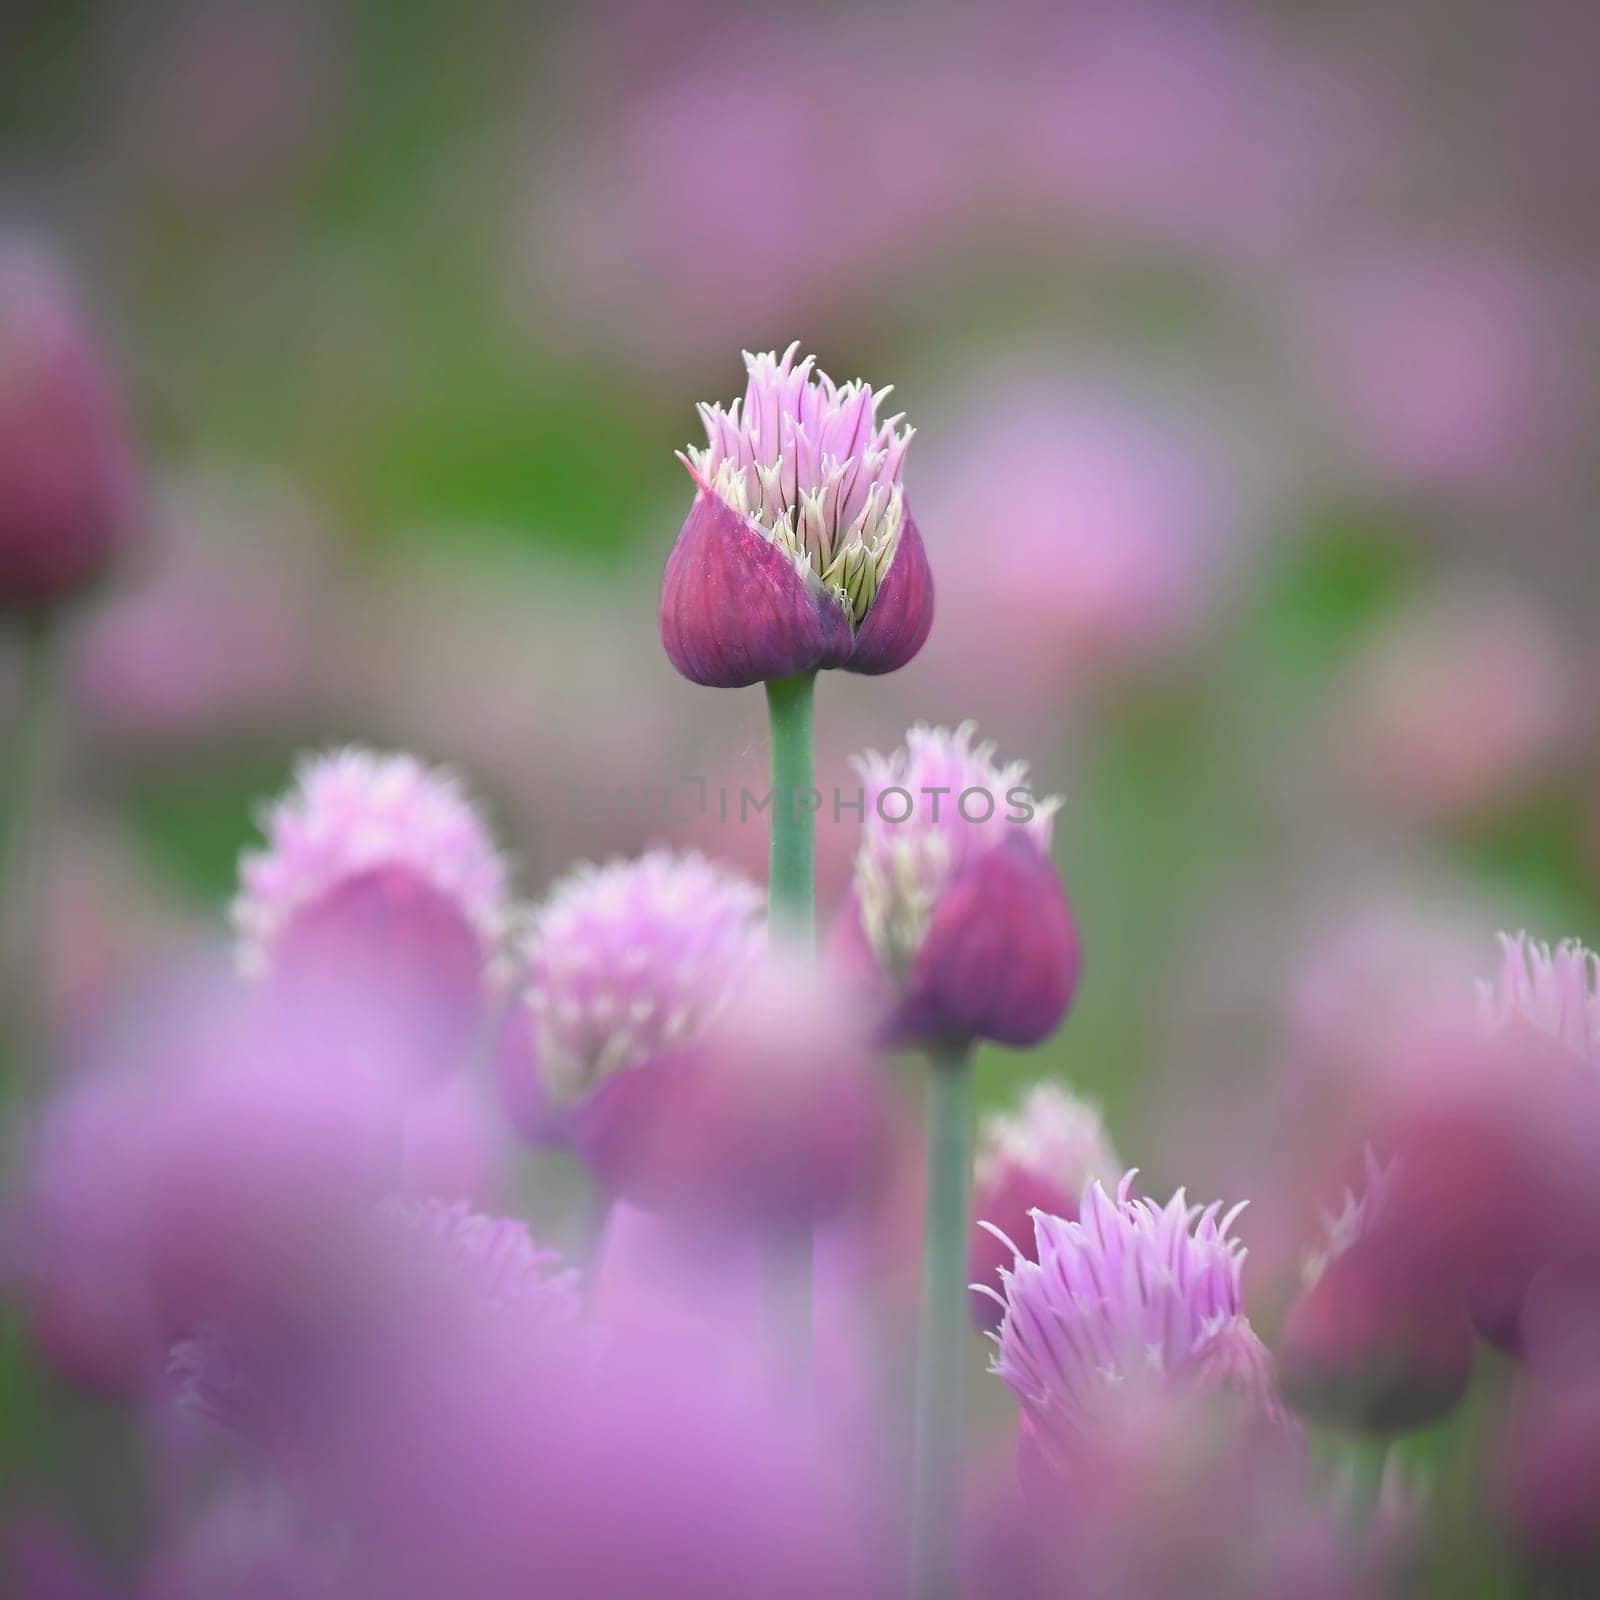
(292, 1219)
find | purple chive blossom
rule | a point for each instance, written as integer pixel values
(1133, 1295)
(1037, 1158)
(1380, 1337)
(625, 962)
(379, 879)
(955, 907)
(356, 815)
(1556, 991)
(800, 551)
(67, 482)
(247, 1377)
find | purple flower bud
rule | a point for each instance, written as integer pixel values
(1038, 1159)
(66, 471)
(1378, 1339)
(957, 920)
(799, 551)
(379, 877)
(773, 1116)
(224, 1159)
(626, 963)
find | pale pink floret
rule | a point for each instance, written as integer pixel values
(904, 865)
(351, 812)
(1052, 1135)
(630, 959)
(1131, 1294)
(1555, 990)
(812, 467)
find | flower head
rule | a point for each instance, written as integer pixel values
(624, 962)
(415, 1260)
(1132, 1294)
(955, 905)
(66, 470)
(1556, 991)
(353, 815)
(800, 551)
(1380, 1337)
(771, 1114)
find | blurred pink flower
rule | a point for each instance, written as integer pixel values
(352, 813)
(379, 877)
(624, 963)
(1398, 723)
(1155, 1512)
(67, 492)
(1446, 364)
(458, 1145)
(1201, 129)
(1106, 520)
(1380, 1337)
(218, 1158)
(623, 214)
(214, 634)
(1495, 1135)
(770, 1117)
(459, 1463)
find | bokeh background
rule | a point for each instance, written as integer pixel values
(1252, 353)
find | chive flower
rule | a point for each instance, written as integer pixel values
(800, 550)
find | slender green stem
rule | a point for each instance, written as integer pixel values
(942, 1336)
(791, 873)
(24, 882)
(791, 919)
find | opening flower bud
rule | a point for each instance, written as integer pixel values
(800, 551)
(66, 469)
(957, 920)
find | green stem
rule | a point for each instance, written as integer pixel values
(791, 889)
(942, 1336)
(24, 881)
(792, 922)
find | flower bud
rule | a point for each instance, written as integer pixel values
(1376, 1340)
(773, 1116)
(957, 922)
(626, 963)
(799, 551)
(379, 877)
(66, 470)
